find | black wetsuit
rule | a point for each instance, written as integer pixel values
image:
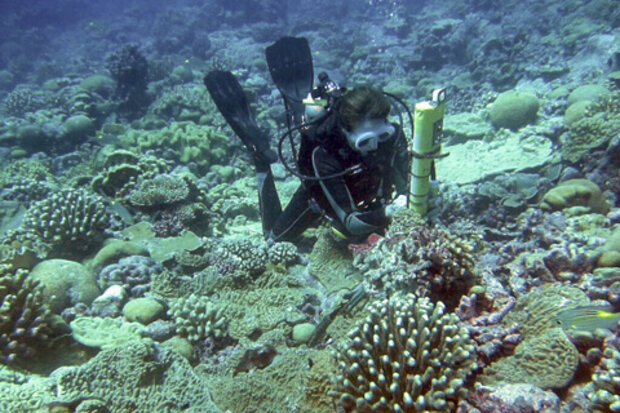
(353, 203)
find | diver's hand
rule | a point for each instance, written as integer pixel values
(398, 204)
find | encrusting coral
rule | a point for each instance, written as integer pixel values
(408, 355)
(131, 378)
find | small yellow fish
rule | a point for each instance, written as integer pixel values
(588, 318)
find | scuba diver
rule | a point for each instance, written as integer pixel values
(351, 160)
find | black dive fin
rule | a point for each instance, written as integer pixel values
(232, 103)
(290, 64)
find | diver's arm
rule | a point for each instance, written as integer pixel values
(340, 199)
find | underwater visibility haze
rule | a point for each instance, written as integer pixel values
(276, 207)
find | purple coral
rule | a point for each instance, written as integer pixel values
(134, 271)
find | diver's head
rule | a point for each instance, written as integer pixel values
(362, 114)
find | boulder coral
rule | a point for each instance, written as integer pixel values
(575, 193)
(514, 109)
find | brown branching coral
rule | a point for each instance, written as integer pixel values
(24, 316)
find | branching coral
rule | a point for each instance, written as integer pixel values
(283, 253)
(604, 391)
(24, 317)
(408, 355)
(600, 124)
(234, 255)
(198, 319)
(71, 220)
(160, 191)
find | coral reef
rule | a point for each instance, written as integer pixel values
(21, 101)
(408, 355)
(105, 332)
(239, 255)
(284, 253)
(183, 142)
(129, 68)
(598, 126)
(24, 317)
(514, 109)
(535, 311)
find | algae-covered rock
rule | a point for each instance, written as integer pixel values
(182, 74)
(31, 137)
(65, 283)
(302, 333)
(478, 160)
(180, 345)
(575, 193)
(514, 109)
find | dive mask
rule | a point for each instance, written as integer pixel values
(366, 136)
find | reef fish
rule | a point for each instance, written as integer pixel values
(588, 318)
